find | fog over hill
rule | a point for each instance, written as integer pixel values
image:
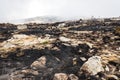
(39, 19)
(44, 19)
(19, 9)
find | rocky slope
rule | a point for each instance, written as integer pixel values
(74, 50)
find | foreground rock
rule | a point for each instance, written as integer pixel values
(92, 66)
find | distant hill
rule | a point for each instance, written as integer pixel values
(39, 19)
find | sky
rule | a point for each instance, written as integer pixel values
(20, 9)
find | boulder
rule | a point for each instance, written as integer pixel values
(92, 66)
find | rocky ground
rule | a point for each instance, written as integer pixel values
(74, 50)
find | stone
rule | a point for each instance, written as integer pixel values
(74, 61)
(118, 49)
(21, 27)
(45, 40)
(107, 68)
(61, 25)
(112, 77)
(83, 58)
(29, 71)
(16, 75)
(40, 63)
(60, 76)
(20, 36)
(73, 77)
(64, 39)
(89, 44)
(92, 66)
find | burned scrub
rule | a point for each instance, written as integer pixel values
(75, 50)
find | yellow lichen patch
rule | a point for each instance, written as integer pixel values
(46, 42)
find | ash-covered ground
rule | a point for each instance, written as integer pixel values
(71, 50)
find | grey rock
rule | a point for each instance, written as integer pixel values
(92, 66)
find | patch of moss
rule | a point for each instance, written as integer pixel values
(46, 42)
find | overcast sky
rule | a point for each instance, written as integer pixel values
(18, 9)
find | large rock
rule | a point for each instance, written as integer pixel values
(92, 66)
(60, 76)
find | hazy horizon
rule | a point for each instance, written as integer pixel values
(20, 9)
